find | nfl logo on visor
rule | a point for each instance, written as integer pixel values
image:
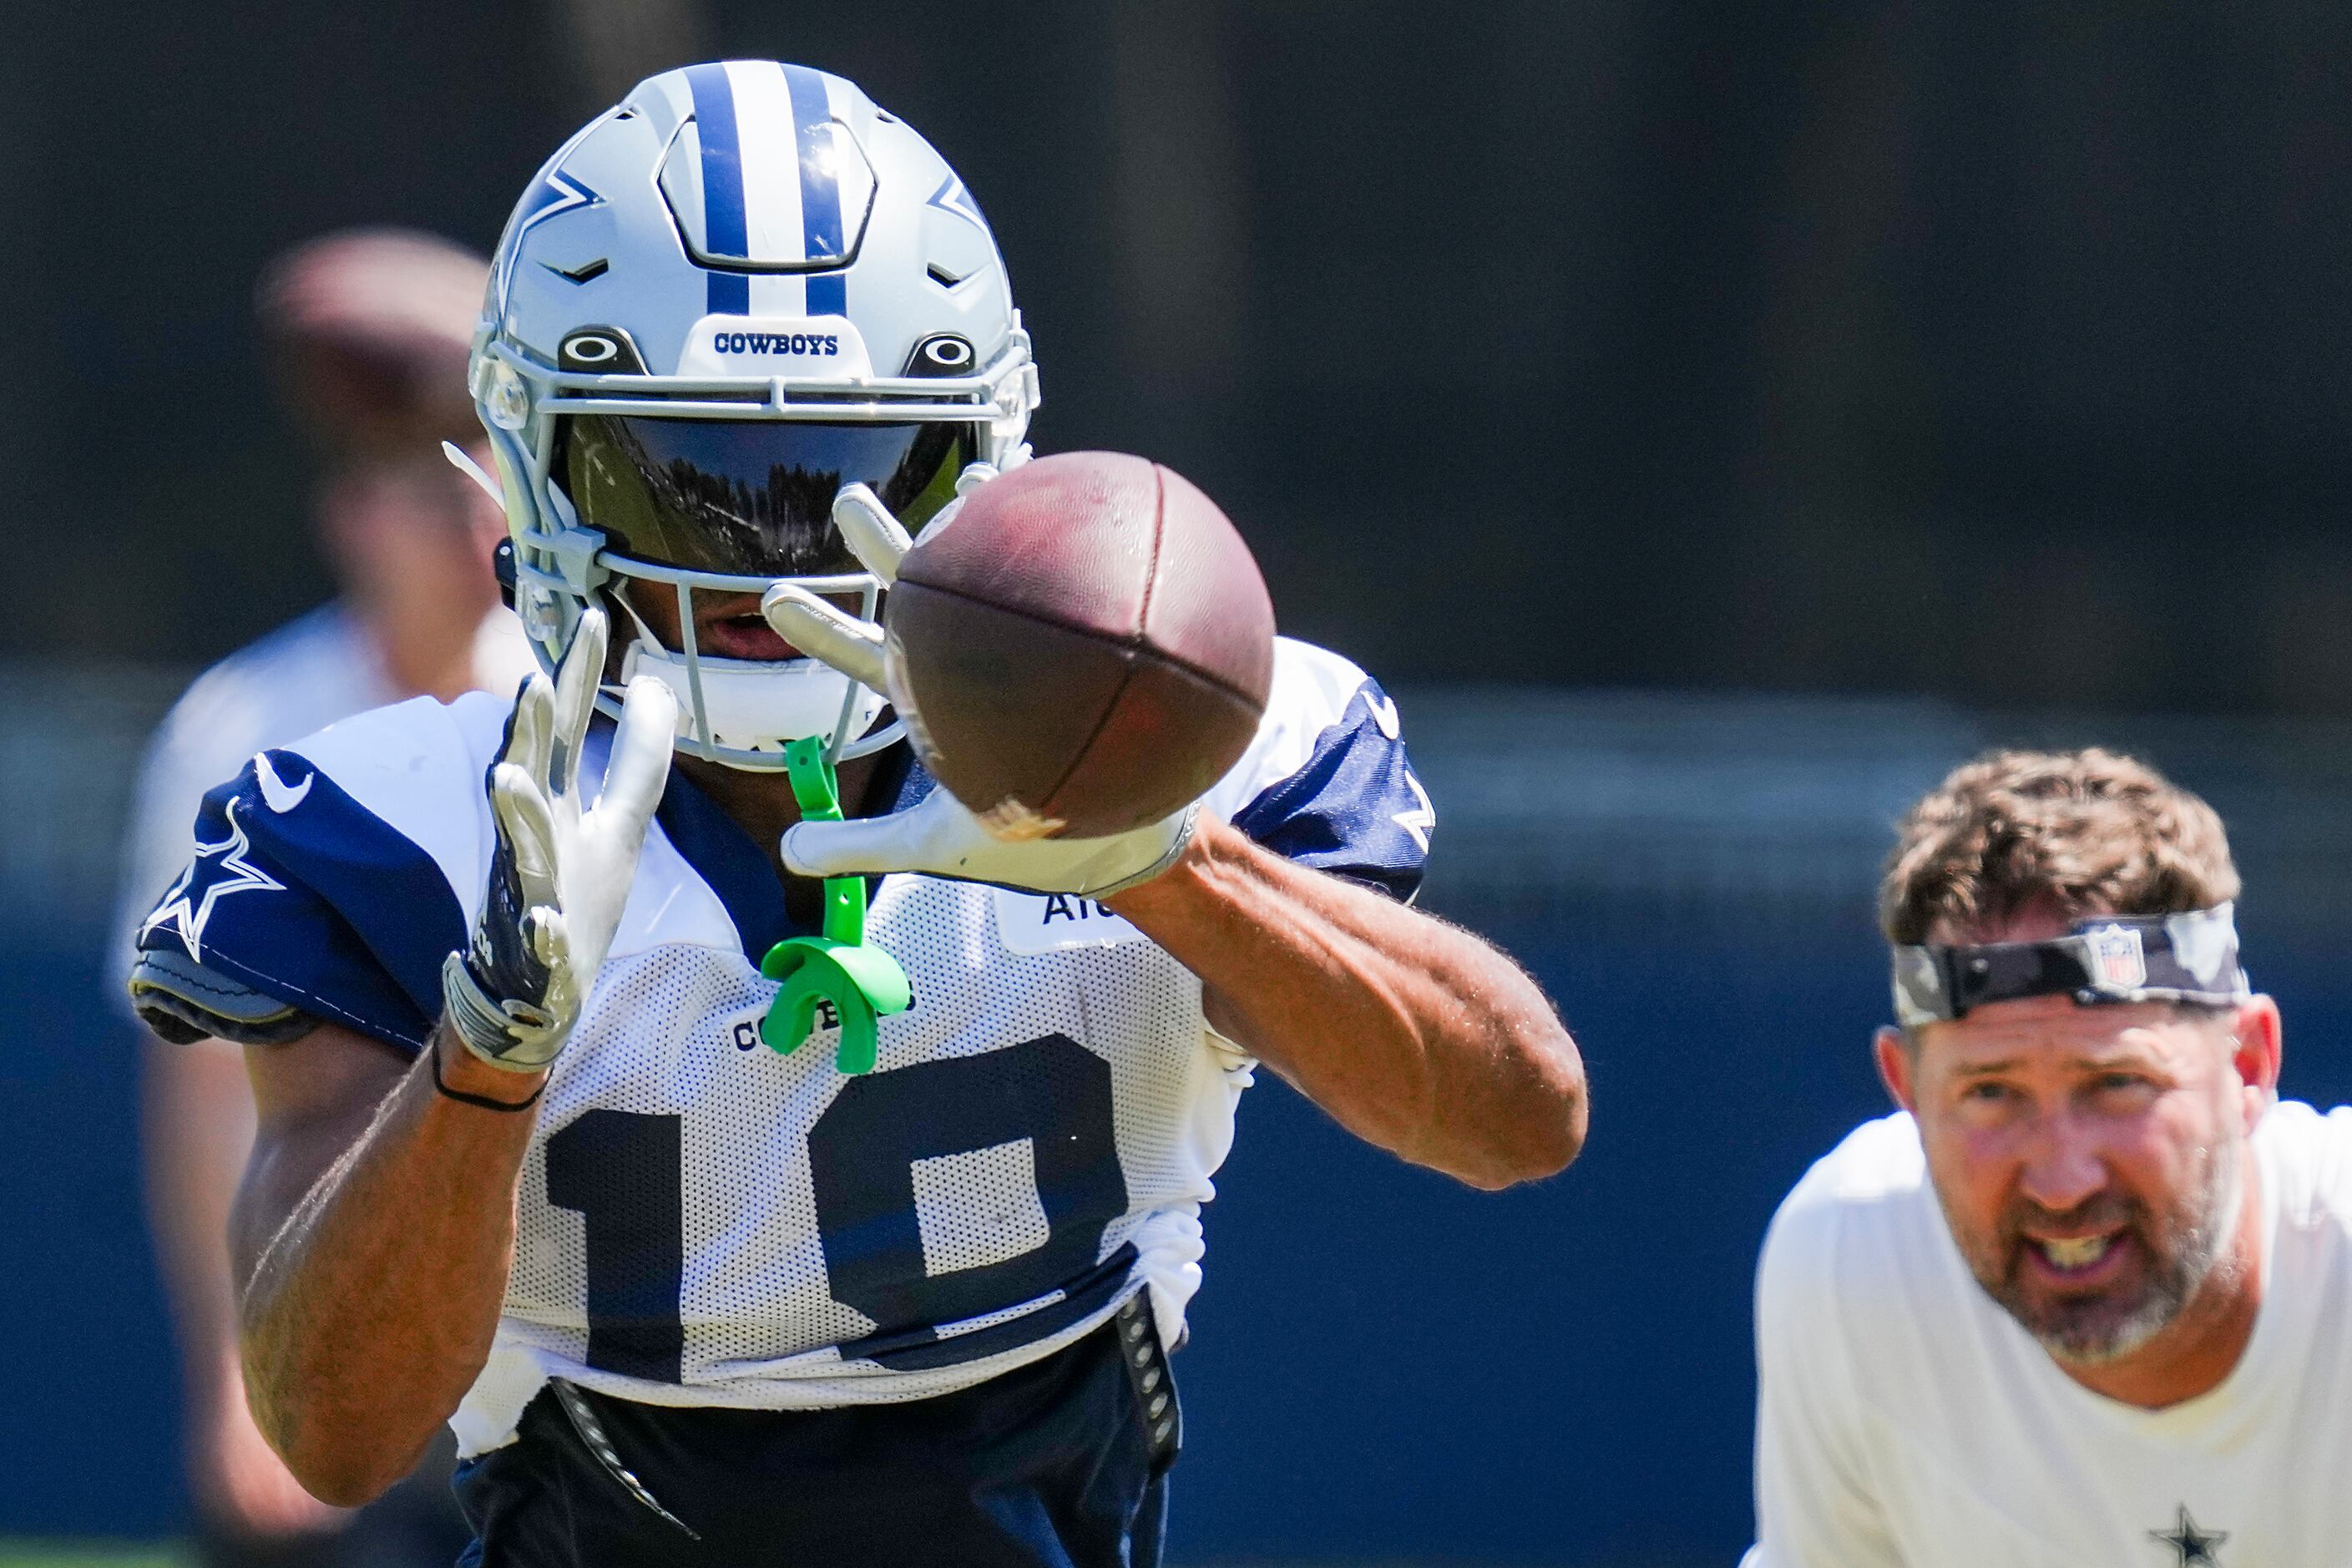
(2119, 960)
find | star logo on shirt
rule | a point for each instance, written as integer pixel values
(2191, 1546)
(1420, 818)
(217, 870)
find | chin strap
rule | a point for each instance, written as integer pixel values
(839, 971)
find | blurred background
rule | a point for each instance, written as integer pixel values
(1714, 420)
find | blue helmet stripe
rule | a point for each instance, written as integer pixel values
(725, 232)
(828, 292)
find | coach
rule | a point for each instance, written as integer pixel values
(2081, 1301)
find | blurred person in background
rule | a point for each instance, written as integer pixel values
(367, 334)
(2082, 1299)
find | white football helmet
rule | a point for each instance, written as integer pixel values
(740, 290)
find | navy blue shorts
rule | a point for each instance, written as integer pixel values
(1052, 1464)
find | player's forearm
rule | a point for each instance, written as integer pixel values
(371, 1309)
(1415, 1035)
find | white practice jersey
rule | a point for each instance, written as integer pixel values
(704, 1221)
(303, 677)
(1906, 1419)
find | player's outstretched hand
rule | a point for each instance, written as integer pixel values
(826, 632)
(940, 837)
(560, 874)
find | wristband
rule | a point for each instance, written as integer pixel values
(433, 1048)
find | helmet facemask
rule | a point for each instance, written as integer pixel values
(751, 500)
(679, 486)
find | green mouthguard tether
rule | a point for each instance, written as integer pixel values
(861, 984)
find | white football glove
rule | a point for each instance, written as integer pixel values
(940, 837)
(559, 875)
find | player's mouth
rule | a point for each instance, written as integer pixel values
(730, 626)
(744, 636)
(2077, 1260)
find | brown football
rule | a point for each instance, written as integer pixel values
(1083, 649)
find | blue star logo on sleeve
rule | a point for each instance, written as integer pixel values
(2193, 1548)
(217, 870)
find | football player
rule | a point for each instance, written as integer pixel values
(525, 1165)
(2082, 1299)
(367, 330)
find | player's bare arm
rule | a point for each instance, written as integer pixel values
(375, 1229)
(373, 1234)
(1415, 1033)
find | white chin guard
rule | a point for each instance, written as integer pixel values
(755, 705)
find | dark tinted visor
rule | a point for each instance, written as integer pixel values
(751, 497)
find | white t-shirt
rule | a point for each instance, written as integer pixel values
(1904, 1419)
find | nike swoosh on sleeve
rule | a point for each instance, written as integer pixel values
(280, 796)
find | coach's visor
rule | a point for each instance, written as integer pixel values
(749, 497)
(2191, 957)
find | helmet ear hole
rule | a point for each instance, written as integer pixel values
(600, 350)
(942, 354)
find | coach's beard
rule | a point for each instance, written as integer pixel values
(2185, 1251)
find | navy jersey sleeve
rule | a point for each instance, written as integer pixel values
(299, 903)
(1328, 783)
